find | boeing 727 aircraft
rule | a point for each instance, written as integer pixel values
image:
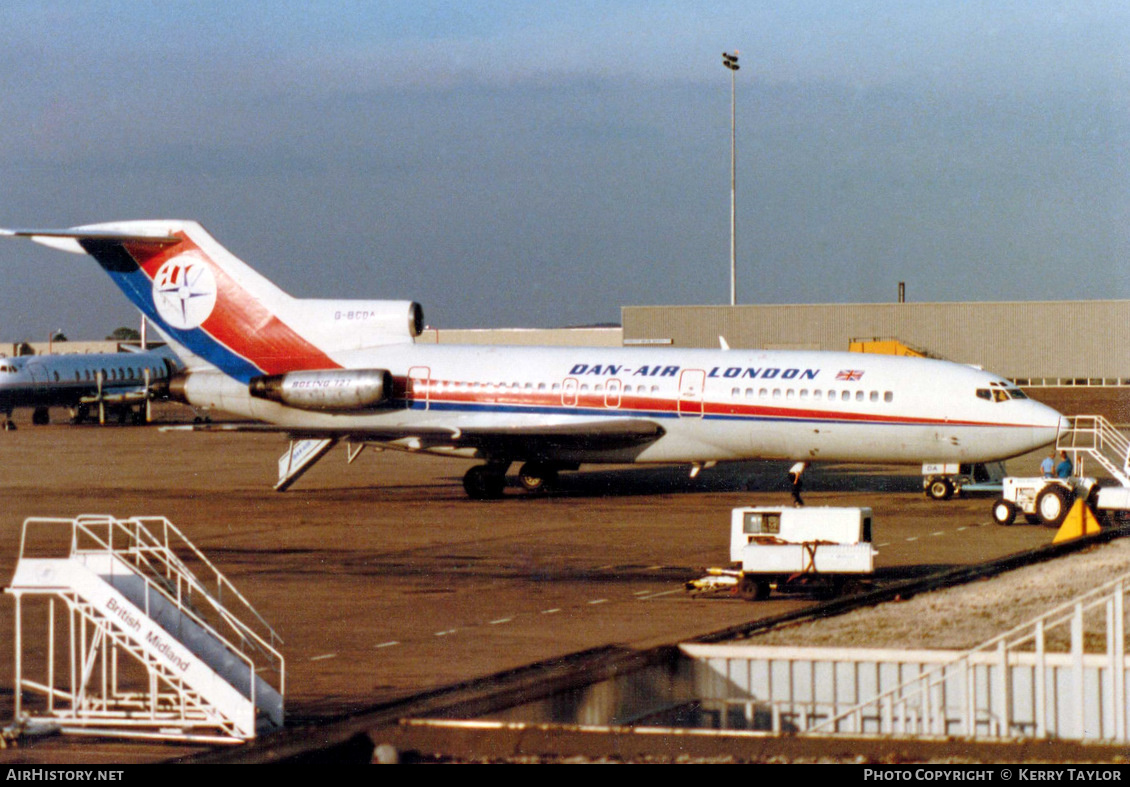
(329, 370)
(121, 383)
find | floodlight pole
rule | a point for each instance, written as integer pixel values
(731, 62)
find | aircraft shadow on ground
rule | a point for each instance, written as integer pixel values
(758, 476)
(753, 476)
(887, 574)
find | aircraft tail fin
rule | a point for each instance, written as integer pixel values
(210, 304)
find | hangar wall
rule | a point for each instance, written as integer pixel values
(1036, 342)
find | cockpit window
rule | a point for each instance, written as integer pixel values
(1000, 394)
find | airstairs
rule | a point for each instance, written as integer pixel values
(1096, 437)
(144, 636)
(1062, 675)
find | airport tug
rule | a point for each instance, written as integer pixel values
(793, 549)
(1077, 504)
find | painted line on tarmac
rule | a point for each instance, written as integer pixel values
(323, 657)
(639, 595)
(661, 593)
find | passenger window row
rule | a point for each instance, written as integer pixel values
(831, 395)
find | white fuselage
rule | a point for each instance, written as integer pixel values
(713, 405)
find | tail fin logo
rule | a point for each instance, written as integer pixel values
(184, 292)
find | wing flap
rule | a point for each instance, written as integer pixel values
(122, 397)
(611, 433)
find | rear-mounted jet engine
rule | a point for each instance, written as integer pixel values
(336, 390)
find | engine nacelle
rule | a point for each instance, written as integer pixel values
(211, 390)
(343, 325)
(331, 389)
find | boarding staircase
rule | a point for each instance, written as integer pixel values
(158, 643)
(1096, 437)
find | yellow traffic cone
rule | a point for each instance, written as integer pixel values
(1080, 521)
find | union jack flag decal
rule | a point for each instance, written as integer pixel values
(849, 374)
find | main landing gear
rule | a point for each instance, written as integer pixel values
(487, 482)
(537, 476)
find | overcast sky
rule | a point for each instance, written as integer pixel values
(543, 164)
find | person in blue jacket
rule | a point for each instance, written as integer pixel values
(1064, 469)
(1047, 467)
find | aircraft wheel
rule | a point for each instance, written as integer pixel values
(753, 588)
(484, 482)
(41, 416)
(1004, 512)
(940, 489)
(1052, 505)
(9, 425)
(537, 477)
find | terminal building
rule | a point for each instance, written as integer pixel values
(1035, 343)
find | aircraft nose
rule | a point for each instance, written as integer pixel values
(1064, 425)
(1049, 424)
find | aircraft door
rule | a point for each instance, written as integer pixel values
(419, 386)
(569, 391)
(692, 383)
(613, 391)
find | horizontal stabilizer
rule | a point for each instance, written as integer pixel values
(68, 239)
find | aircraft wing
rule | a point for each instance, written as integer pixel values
(526, 440)
(515, 440)
(132, 396)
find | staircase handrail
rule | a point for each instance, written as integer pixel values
(85, 523)
(1104, 437)
(1104, 434)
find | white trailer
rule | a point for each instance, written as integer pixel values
(793, 549)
